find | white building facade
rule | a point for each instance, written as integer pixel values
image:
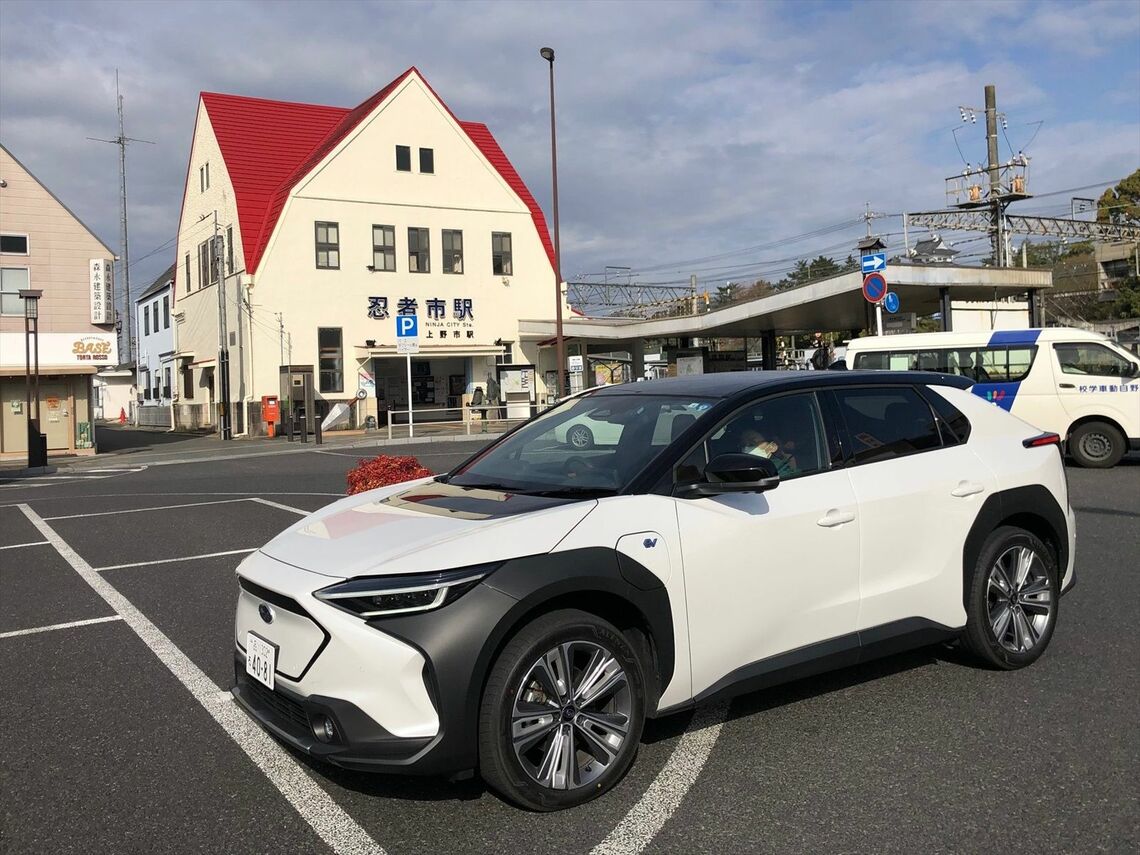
(155, 364)
(326, 225)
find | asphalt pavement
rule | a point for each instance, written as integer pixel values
(120, 737)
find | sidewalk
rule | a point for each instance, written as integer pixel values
(129, 446)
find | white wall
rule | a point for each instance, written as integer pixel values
(155, 348)
(969, 316)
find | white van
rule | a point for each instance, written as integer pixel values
(1077, 384)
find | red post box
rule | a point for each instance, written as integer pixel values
(270, 413)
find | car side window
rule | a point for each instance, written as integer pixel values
(1091, 359)
(787, 430)
(952, 423)
(887, 422)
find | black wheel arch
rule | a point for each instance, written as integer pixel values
(1032, 508)
(461, 641)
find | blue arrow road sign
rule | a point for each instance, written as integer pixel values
(874, 262)
(407, 326)
(891, 302)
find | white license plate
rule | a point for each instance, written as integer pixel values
(260, 659)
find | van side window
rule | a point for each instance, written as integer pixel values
(1092, 359)
(1004, 364)
(887, 422)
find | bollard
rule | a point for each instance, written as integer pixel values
(389, 412)
(318, 434)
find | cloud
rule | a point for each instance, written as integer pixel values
(686, 129)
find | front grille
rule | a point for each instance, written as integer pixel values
(286, 708)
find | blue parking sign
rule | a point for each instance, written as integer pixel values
(407, 326)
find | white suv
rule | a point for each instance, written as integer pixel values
(525, 613)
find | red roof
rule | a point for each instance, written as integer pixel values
(269, 146)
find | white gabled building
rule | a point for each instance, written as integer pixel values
(154, 368)
(334, 221)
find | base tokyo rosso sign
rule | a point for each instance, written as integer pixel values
(62, 350)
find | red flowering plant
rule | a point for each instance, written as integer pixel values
(382, 471)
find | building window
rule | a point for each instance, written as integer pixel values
(12, 281)
(427, 161)
(166, 315)
(214, 250)
(204, 177)
(188, 383)
(188, 273)
(384, 248)
(331, 359)
(146, 384)
(328, 246)
(154, 315)
(14, 244)
(403, 158)
(146, 321)
(452, 251)
(501, 264)
(166, 382)
(229, 249)
(419, 258)
(203, 263)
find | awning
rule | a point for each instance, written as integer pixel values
(439, 351)
(48, 370)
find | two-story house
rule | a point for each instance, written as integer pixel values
(154, 366)
(335, 221)
(45, 247)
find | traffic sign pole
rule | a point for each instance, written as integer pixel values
(409, 358)
(878, 319)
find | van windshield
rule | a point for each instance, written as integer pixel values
(589, 446)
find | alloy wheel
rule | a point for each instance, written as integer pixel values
(571, 715)
(1019, 599)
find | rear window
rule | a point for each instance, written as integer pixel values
(884, 423)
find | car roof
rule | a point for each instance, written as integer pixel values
(731, 384)
(907, 341)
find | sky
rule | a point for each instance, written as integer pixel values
(716, 138)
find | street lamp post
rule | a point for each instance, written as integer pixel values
(548, 54)
(37, 446)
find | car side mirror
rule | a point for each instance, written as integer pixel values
(1132, 370)
(735, 473)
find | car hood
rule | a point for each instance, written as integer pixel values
(424, 526)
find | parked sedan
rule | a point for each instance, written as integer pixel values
(525, 613)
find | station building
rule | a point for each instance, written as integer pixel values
(323, 224)
(45, 247)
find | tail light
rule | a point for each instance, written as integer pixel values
(1042, 439)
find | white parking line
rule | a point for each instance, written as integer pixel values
(646, 818)
(54, 626)
(22, 545)
(282, 507)
(144, 510)
(327, 818)
(175, 560)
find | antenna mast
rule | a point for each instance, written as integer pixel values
(124, 264)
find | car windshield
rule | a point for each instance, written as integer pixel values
(588, 446)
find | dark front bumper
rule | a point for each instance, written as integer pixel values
(360, 742)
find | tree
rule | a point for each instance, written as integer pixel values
(1121, 204)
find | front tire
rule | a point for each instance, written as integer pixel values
(562, 712)
(580, 437)
(1096, 445)
(1013, 598)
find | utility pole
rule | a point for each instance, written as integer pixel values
(997, 209)
(225, 429)
(693, 294)
(280, 340)
(124, 264)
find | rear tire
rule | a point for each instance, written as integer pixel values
(562, 712)
(1011, 610)
(1096, 445)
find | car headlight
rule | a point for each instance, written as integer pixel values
(372, 596)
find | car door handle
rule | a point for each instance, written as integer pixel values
(1066, 385)
(833, 518)
(966, 488)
